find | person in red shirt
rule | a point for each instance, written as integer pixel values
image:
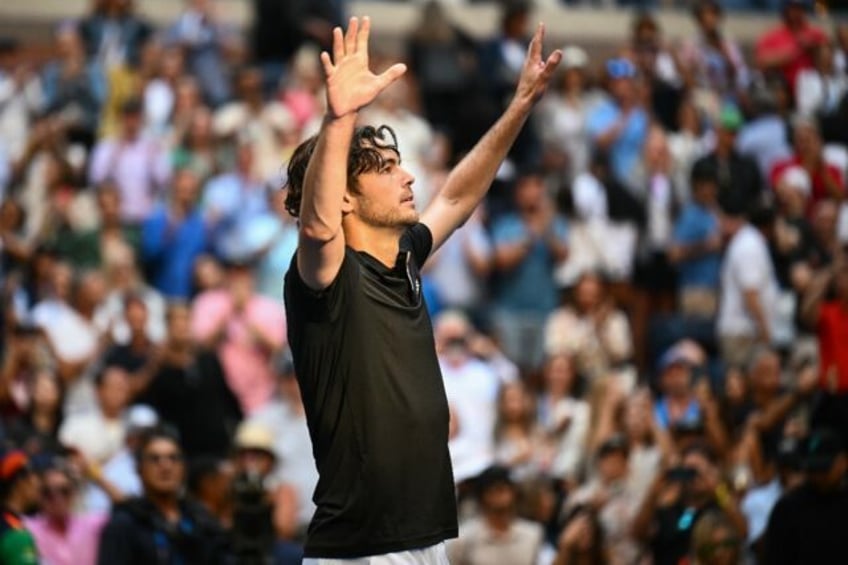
(826, 179)
(789, 48)
(826, 309)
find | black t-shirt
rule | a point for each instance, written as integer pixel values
(375, 403)
(671, 541)
(197, 401)
(808, 527)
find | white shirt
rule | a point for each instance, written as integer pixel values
(122, 472)
(757, 506)
(815, 92)
(456, 283)
(747, 266)
(472, 390)
(71, 336)
(97, 437)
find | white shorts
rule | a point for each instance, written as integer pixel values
(433, 555)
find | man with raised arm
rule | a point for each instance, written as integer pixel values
(360, 335)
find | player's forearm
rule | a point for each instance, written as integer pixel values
(472, 177)
(325, 181)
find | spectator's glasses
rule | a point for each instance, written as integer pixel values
(56, 491)
(620, 68)
(159, 458)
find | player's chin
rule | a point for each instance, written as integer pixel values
(407, 215)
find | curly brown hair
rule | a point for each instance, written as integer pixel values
(365, 156)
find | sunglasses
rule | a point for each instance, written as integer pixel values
(63, 491)
(157, 458)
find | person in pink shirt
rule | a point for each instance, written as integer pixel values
(62, 536)
(790, 47)
(246, 329)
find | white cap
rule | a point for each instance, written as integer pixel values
(141, 416)
(574, 57)
(796, 178)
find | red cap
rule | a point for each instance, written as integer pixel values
(12, 463)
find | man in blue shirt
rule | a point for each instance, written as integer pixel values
(528, 245)
(619, 124)
(696, 245)
(173, 237)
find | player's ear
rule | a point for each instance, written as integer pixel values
(347, 203)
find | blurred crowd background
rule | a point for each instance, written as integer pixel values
(643, 332)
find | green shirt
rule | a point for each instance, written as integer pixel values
(17, 546)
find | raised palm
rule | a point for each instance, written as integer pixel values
(350, 83)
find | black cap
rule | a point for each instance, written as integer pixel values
(132, 106)
(704, 170)
(616, 443)
(821, 449)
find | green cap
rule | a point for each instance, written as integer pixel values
(730, 117)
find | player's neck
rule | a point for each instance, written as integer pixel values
(381, 243)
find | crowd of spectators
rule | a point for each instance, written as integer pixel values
(643, 333)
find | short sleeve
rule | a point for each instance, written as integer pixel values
(752, 269)
(419, 240)
(307, 304)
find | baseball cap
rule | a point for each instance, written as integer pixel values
(821, 449)
(620, 68)
(616, 443)
(141, 417)
(676, 355)
(12, 463)
(730, 118)
(256, 436)
(574, 57)
(797, 178)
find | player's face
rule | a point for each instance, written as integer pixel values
(384, 198)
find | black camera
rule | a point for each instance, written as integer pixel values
(253, 528)
(681, 474)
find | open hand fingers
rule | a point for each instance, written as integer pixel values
(551, 64)
(534, 51)
(328, 64)
(364, 32)
(350, 36)
(338, 45)
(391, 74)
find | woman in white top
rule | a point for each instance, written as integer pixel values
(561, 119)
(818, 91)
(564, 417)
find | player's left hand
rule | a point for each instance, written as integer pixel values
(537, 72)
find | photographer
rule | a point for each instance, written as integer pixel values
(264, 511)
(678, 498)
